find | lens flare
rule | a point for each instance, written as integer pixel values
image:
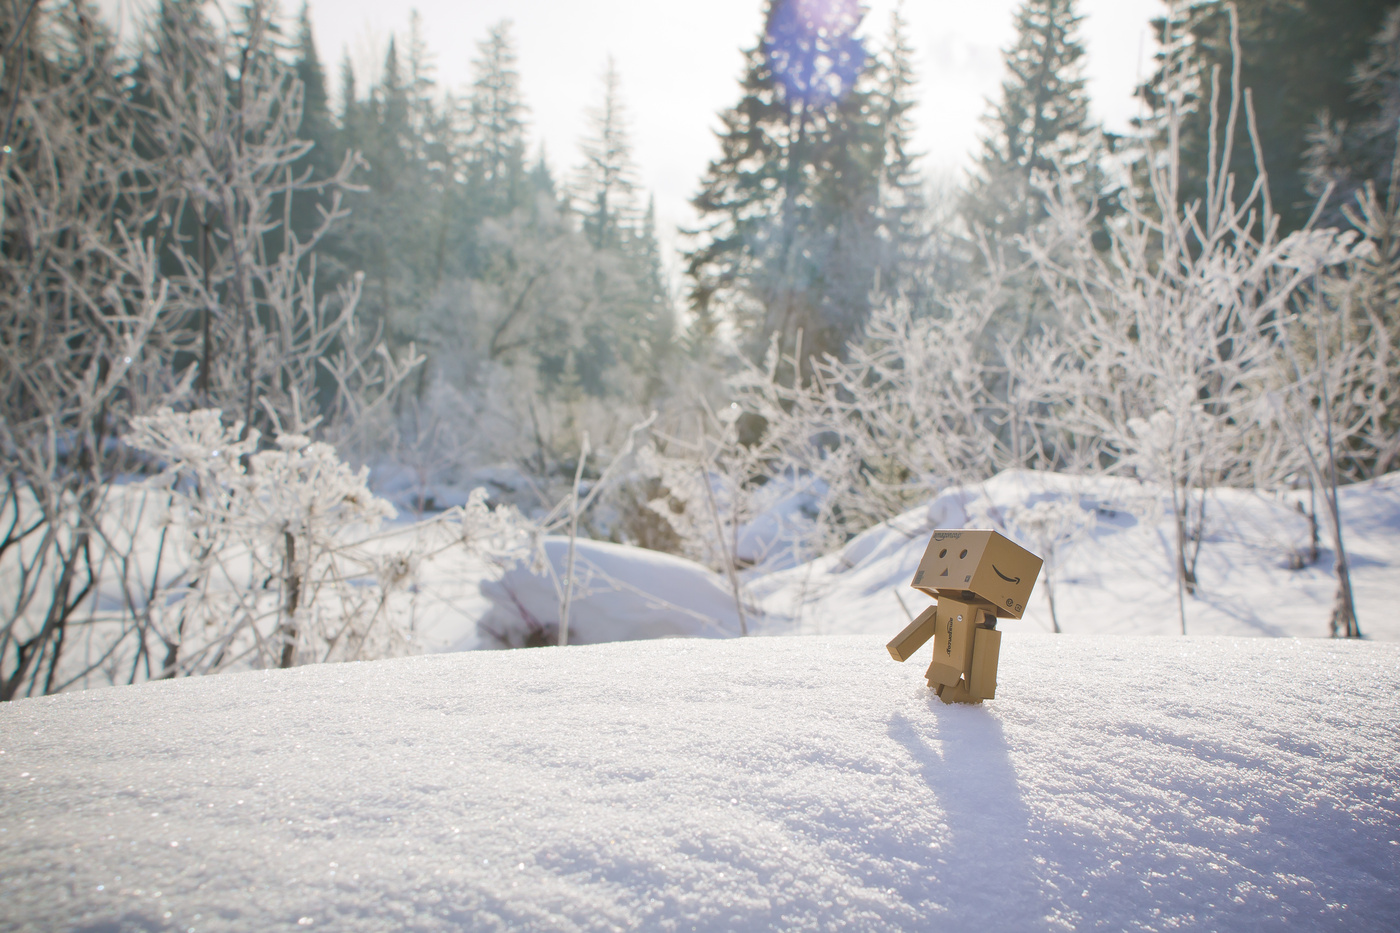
(813, 50)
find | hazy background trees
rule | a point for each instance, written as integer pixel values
(808, 207)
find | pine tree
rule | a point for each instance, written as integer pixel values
(348, 95)
(1297, 57)
(497, 147)
(787, 242)
(541, 179)
(1349, 156)
(644, 320)
(390, 101)
(422, 85)
(1360, 164)
(315, 115)
(316, 124)
(606, 190)
(392, 234)
(637, 316)
(902, 212)
(1040, 126)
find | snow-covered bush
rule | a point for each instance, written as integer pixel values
(1047, 528)
(273, 556)
(149, 256)
(86, 322)
(793, 469)
(266, 549)
(1344, 344)
(915, 405)
(1174, 328)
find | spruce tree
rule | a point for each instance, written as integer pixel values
(1040, 125)
(540, 178)
(902, 211)
(606, 190)
(1297, 58)
(787, 241)
(392, 232)
(347, 95)
(316, 125)
(315, 115)
(421, 87)
(658, 317)
(1348, 156)
(637, 317)
(497, 147)
(1359, 164)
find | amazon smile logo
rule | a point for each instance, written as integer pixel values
(1015, 580)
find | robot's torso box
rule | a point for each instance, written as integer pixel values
(980, 568)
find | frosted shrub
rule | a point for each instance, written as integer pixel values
(269, 546)
(1049, 528)
(1173, 328)
(150, 257)
(903, 416)
(710, 492)
(919, 403)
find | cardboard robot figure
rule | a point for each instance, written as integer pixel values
(977, 577)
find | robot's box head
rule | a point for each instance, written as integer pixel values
(980, 568)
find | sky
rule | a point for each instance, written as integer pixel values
(680, 63)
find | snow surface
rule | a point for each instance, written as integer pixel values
(1116, 577)
(1117, 783)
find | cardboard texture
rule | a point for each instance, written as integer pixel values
(976, 576)
(986, 651)
(952, 642)
(957, 693)
(981, 568)
(914, 635)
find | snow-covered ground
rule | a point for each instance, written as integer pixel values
(1115, 576)
(1117, 783)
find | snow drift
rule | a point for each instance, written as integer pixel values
(737, 784)
(619, 594)
(1112, 569)
(1110, 566)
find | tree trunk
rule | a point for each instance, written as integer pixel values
(292, 581)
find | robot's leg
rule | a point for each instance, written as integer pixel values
(986, 651)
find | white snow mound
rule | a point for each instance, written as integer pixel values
(619, 594)
(1117, 783)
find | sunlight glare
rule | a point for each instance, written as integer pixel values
(813, 50)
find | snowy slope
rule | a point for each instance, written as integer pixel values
(1117, 577)
(736, 784)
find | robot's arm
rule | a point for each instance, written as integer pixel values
(914, 634)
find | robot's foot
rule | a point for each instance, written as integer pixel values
(958, 693)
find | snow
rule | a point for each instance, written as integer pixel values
(620, 594)
(1126, 778)
(1112, 575)
(1117, 577)
(1116, 783)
